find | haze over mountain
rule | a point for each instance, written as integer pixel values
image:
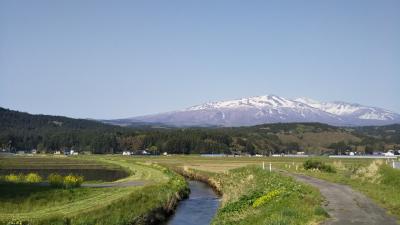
(269, 109)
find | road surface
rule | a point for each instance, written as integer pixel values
(346, 206)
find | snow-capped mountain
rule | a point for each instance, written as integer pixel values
(272, 109)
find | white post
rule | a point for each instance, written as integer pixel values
(270, 167)
(394, 165)
(263, 166)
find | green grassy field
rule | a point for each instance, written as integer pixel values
(33, 204)
(223, 164)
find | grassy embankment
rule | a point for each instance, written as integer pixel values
(375, 179)
(34, 204)
(251, 195)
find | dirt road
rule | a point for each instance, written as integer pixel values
(346, 206)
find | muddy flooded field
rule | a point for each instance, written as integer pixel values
(88, 174)
(90, 170)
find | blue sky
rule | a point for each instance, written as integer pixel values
(116, 59)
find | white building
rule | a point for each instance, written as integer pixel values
(389, 153)
(126, 153)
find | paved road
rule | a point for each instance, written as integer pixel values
(346, 206)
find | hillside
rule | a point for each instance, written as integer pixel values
(23, 131)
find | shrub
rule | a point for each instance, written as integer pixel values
(33, 178)
(316, 164)
(55, 180)
(72, 181)
(13, 178)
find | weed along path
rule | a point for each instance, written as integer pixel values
(346, 206)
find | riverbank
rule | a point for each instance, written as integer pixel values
(251, 195)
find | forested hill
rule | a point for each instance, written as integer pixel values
(23, 131)
(10, 119)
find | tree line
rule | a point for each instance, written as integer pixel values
(23, 131)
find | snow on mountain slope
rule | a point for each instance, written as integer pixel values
(351, 110)
(257, 102)
(273, 109)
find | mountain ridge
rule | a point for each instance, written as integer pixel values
(267, 109)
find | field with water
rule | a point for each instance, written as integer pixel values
(153, 188)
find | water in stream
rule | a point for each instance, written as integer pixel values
(199, 208)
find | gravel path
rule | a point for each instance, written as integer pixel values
(346, 206)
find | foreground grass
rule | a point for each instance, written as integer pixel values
(32, 204)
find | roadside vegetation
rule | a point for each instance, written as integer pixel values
(311, 164)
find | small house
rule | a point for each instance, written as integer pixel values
(144, 152)
(73, 152)
(126, 153)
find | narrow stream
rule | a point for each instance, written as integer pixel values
(199, 208)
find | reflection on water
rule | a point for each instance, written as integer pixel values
(199, 208)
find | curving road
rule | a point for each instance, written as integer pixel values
(346, 206)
